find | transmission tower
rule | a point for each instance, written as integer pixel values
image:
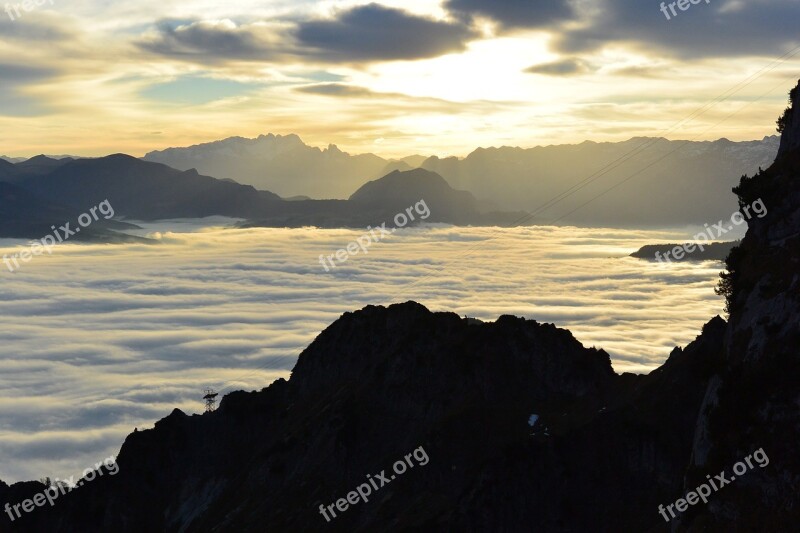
(211, 400)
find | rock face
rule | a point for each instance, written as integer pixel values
(753, 402)
(382, 382)
(605, 451)
(789, 123)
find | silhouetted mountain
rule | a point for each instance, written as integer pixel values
(141, 190)
(148, 191)
(26, 215)
(283, 164)
(384, 199)
(675, 183)
(672, 182)
(42, 164)
(7, 170)
(716, 251)
(399, 190)
(35, 166)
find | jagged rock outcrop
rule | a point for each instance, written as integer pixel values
(382, 382)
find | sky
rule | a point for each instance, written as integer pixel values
(107, 338)
(90, 77)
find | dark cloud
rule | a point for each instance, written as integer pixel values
(13, 81)
(211, 41)
(373, 33)
(566, 67)
(39, 29)
(358, 35)
(514, 13)
(719, 29)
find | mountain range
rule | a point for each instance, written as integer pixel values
(283, 164)
(42, 191)
(668, 182)
(23, 214)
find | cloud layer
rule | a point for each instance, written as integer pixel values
(512, 14)
(99, 339)
(374, 32)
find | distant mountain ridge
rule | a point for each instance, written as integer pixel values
(23, 159)
(685, 176)
(283, 164)
(716, 251)
(23, 214)
(382, 200)
(399, 190)
(664, 183)
(52, 189)
(148, 191)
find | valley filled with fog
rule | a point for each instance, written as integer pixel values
(104, 338)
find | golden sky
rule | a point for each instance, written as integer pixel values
(86, 77)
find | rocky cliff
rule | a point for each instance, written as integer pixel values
(753, 402)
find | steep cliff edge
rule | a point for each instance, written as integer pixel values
(753, 403)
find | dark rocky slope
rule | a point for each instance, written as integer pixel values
(753, 401)
(382, 382)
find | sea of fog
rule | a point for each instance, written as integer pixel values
(100, 339)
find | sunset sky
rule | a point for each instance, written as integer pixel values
(86, 77)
